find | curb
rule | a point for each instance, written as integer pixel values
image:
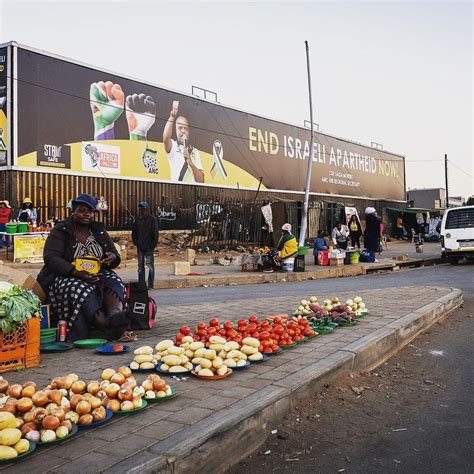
(223, 439)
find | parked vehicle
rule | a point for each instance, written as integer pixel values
(457, 233)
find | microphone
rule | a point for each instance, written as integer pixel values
(184, 143)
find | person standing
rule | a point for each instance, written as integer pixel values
(340, 235)
(5, 213)
(372, 230)
(355, 231)
(28, 212)
(184, 159)
(400, 227)
(145, 235)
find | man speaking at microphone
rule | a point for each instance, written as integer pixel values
(185, 161)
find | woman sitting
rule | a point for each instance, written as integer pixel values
(319, 244)
(287, 246)
(83, 299)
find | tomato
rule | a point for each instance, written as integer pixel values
(291, 332)
(276, 337)
(179, 336)
(202, 332)
(278, 329)
(260, 348)
(266, 343)
(223, 332)
(214, 322)
(277, 320)
(241, 322)
(253, 319)
(252, 327)
(292, 325)
(185, 330)
(212, 331)
(196, 337)
(264, 336)
(118, 348)
(275, 348)
(232, 333)
(207, 344)
(228, 325)
(265, 324)
(267, 350)
(201, 326)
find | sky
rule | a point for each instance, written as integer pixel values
(396, 73)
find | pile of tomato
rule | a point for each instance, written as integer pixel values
(272, 335)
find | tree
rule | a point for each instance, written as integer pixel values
(470, 201)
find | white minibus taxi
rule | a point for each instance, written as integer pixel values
(457, 233)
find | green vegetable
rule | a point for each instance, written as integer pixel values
(17, 306)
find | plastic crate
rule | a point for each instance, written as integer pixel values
(303, 250)
(20, 349)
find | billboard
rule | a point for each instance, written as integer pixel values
(76, 119)
(3, 106)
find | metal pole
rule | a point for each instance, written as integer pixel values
(446, 179)
(304, 215)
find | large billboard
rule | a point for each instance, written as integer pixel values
(79, 120)
(4, 96)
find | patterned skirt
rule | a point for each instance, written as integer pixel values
(76, 301)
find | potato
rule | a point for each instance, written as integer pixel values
(165, 367)
(10, 436)
(163, 345)
(230, 363)
(197, 368)
(231, 346)
(249, 350)
(134, 365)
(177, 369)
(143, 358)
(251, 341)
(217, 340)
(206, 373)
(210, 354)
(7, 420)
(196, 345)
(144, 350)
(189, 354)
(172, 360)
(217, 362)
(147, 365)
(188, 339)
(256, 356)
(22, 446)
(157, 357)
(222, 354)
(184, 346)
(163, 353)
(7, 453)
(196, 360)
(184, 359)
(217, 347)
(188, 366)
(241, 363)
(234, 355)
(177, 351)
(200, 352)
(205, 363)
(222, 370)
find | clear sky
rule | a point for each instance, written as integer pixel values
(398, 73)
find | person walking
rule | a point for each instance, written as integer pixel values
(5, 213)
(355, 230)
(372, 230)
(145, 235)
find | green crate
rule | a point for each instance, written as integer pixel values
(303, 250)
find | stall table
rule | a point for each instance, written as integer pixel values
(22, 234)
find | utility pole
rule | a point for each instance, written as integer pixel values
(304, 214)
(446, 179)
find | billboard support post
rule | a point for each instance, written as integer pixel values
(304, 214)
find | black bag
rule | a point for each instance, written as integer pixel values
(140, 306)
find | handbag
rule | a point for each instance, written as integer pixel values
(140, 306)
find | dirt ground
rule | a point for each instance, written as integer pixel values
(345, 427)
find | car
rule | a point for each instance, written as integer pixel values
(457, 233)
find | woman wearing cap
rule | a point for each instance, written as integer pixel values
(83, 299)
(28, 212)
(5, 213)
(372, 230)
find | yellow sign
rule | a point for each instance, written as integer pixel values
(29, 248)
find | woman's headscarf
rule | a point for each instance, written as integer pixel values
(369, 210)
(286, 227)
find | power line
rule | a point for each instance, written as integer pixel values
(460, 169)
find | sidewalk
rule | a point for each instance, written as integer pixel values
(212, 425)
(213, 275)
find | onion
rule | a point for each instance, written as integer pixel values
(40, 399)
(67, 424)
(126, 406)
(50, 422)
(15, 391)
(93, 387)
(56, 396)
(28, 391)
(86, 419)
(95, 402)
(79, 386)
(112, 390)
(113, 405)
(99, 414)
(58, 413)
(3, 385)
(83, 407)
(75, 399)
(27, 427)
(117, 378)
(48, 436)
(72, 416)
(107, 374)
(24, 404)
(125, 394)
(125, 371)
(61, 432)
(33, 436)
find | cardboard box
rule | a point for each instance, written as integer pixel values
(336, 262)
(22, 279)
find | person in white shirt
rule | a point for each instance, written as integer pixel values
(184, 159)
(340, 235)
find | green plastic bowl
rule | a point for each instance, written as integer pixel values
(89, 343)
(48, 339)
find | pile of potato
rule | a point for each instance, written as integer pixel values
(11, 442)
(144, 358)
(174, 359)
(236, 356)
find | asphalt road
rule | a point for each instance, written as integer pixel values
(440, 432)
(459, 276)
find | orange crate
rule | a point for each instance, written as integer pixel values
(20, 349)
